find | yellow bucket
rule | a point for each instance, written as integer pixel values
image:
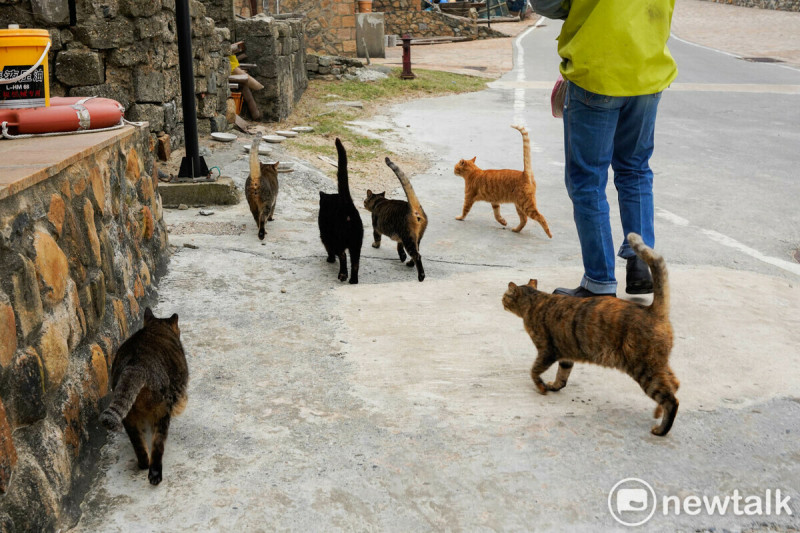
(24, 76)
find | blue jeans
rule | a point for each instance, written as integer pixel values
(600, 131)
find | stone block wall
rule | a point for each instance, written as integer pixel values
(331, 67)
(392, 6)
(781, 5)
(127, 50)
(432, 24)
(79, 255)
(278, 49)
(329, 26)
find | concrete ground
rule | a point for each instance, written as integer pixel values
(395, 405)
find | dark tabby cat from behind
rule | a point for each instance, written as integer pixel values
(149, 377)
(606, 331)
(403, 222)
(340, 226)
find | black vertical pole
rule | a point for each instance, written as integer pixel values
(489, 13)
(192, 165)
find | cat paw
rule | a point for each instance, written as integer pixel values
(552, 387)
(342, 276)
(154, 476)
(502, 221)
(657, 431)
(517, 229)
(541, 387)
(421, 277)
(460, 218)
(353, 281)
(143, 464)
(331, 259)
(410, 263)
(270, 219)
(376, 245)
(261, 234)
(110, 422)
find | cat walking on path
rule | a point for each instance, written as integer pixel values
(502, 187)
(606, 331)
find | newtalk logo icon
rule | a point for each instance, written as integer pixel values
(632, 502)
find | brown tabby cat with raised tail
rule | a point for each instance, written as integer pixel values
(149, 377)
(403, 222)
(261, 189)
(630, 337)
(502, 187)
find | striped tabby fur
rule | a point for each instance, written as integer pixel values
(606, 331)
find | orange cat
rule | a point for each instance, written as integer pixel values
(503, 187)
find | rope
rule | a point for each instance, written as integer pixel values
(29, 71)
(122, 123)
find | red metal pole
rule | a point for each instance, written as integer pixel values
(407, 74)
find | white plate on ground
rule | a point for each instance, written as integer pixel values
(303, 129)
(274, 138)
(223, 137)
(287, 133)
(262, 148)
(283, 166)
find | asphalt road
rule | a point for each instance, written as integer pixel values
(396, 405)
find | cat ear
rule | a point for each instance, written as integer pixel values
(173, 320)
(473, 159)
(382, 194)
(148, 315)
(533, 283)
(275, 165)
(369, 192)
(512, 285)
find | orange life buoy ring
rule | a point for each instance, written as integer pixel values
(63, 115)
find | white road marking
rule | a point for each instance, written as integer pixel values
(684, 41)
(724, 240)
(519, 91)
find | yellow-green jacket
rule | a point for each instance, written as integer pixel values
(618, 47)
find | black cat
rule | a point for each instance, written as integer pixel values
(340, 226)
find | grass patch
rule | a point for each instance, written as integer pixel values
(330, 122)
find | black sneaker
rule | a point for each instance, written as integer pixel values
(580, 292)
(638, 279)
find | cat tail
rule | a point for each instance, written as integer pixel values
(255, 164)
(658, 269)
(526, 151)
(341, 173)
(125, 392)
(413, 201)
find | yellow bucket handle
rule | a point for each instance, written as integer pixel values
(30, 70)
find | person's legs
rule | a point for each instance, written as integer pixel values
(633, 146)
(590, 122)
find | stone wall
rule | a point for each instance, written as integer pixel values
(127, 50)
(329, 26)
(331, 67)
(278, 49)
(392, 6)
(79, 254)
(781, 5)
(432, 24)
